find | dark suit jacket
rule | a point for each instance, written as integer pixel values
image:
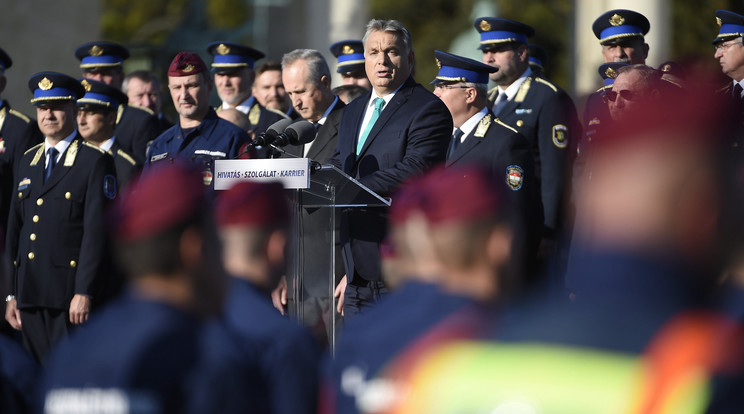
(547, 117)
(17, 134)
(135, 129)
(56, 229)
(410, 136)
(507, 155)
(316, 238)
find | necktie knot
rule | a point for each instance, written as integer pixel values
(379, 103)
(737, 91)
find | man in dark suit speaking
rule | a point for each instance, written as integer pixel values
(397, 130)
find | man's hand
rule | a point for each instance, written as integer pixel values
(13, 315)
(279, 295)
(339, 293)
(79, 309)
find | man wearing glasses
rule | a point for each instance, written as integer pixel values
(482, 140)
(633, 82)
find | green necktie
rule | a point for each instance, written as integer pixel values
(379, 103)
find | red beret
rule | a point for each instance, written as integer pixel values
(252, 204)
(186, 64)
(166, 196)
(458, 195)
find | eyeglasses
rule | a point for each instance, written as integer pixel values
(611, 96)
(446, 86)
(725, 45)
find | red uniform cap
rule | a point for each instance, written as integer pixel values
(459, 195)
(186, 64)
(164, 197)
(252, 204)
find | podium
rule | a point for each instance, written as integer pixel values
(313, 265)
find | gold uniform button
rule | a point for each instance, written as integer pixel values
(31, 255)
(520, 123)
(15, 262)
(32, 236)
(73, 263)
(36, 219)
(68, 195)
(39, 201)
(20, 195)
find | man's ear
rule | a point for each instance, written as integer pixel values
(645, 51)
(325, 81)
(275, 247)
(523, 52)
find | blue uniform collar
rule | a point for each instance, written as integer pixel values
(204, 129)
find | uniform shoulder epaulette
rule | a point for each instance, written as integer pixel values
(254, 114)
(88, 144)
(20, 115)
(34, 148)
(148, 110)
(277, 112)
(523, 90)
(498, 121)
(483, 125)
(121, 153)
(548, 83)
(492, 93)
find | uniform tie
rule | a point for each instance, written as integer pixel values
(456, 137)
(737, 92)
(52, 161)
(379, 103)
(500, 103)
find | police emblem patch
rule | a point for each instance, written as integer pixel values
(560, 136)
(611, 73)
(719, 22)
(207, 176)
(109, 186)
(188, 68)
(514, 177)
(95, 51)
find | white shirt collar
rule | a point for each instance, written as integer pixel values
(468, 126)
(61, 146)
(106, 146)
(243, 107)
(387, 98)
(512, 89)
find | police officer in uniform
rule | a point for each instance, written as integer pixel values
(200, 136)
(233, 76)
(17, 134)
(97, 121)
(483, 140)
(56, 228)
(538, 59)
(535, 107)
(350, 55)
(136, 126)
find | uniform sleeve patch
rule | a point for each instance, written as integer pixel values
(560, 136)
(109, 186)
(514, 177)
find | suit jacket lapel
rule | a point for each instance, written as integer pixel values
(327, 131)
(60, 170)
(399, 99)
(466, 146)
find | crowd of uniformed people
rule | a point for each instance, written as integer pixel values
(531, 261)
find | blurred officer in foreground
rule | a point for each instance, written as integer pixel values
(451, 230)
(17, 134)
(234, 76)
(480, 139)
(140, 354)
(55, 231)
(538, 59)
(253, 221)
(398, 130)
(350, 55)
(537, 109)
(269, 89)
(96, 121)
(136, 127)
(143, 89)
(639, 337)
(200, 136)
(307, 78)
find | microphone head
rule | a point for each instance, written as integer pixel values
(301, 132)
(277, 127)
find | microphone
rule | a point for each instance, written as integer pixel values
(266, 138)
(299, 133)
